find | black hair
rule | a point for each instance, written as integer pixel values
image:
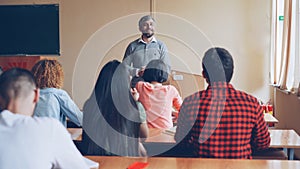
(15, 83)
(217, 65)
(156, 70)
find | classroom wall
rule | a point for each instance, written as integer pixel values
(241, 26)
(95, 31)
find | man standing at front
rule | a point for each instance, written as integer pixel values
(144, 49)
(221, 122)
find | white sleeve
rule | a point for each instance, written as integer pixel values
(65, 152)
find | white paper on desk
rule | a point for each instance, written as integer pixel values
(92, 164)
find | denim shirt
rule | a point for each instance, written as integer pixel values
(56, 103)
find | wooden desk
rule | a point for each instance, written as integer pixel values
(269, 118)
(159, 136)
(280, 138)
(286, 139)
(76, 133)
(106, 162)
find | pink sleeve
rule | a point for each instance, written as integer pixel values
(177, 100)
(138, 86)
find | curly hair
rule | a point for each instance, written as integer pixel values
(48, 74)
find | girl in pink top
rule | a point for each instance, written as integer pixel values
(158, 99)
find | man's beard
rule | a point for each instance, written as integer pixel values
(148, 35)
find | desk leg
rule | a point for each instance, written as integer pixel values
(285, 150)
(291, 154)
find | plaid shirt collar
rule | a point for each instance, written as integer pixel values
(219, 85)
(219, 89)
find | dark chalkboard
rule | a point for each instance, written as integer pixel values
(29, 30)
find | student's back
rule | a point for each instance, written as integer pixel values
(28, 142)
(221, 122)
(158, 99)
(54, 101)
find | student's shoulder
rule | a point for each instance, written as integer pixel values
(59, 92)
(46, 121)
(246, 96)
(195, 96)
(52, 91)
(143, 84)
(47, 124)
(171, 88)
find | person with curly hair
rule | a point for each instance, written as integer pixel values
(54, 101)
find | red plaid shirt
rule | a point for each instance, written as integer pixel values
(222, 122)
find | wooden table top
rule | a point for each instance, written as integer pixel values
(160, 136)
(76, 133)
(280, 138)
(284, 138)
(106, 162)
(270, 118)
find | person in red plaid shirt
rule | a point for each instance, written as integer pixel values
(221, 122)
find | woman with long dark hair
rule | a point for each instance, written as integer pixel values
(112, 123)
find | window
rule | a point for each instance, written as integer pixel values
(285, 44)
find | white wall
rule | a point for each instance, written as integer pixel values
(95, 31)
(241, 26)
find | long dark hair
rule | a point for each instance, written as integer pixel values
(114, 97)
(117, 110)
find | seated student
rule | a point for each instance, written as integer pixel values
(158, 99)
(221, 122)
(112, 123)
(26, 141)
(54, 101)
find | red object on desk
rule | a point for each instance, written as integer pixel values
(138, 165)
